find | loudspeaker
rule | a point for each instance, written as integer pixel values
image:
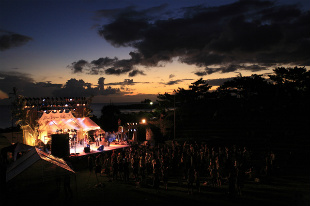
(86, 149)
(100, 148)
(60, 145)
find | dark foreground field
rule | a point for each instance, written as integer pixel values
(284, 190)
(289, 185)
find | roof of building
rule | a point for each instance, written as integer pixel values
(32, 157)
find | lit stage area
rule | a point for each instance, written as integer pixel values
(79, 149)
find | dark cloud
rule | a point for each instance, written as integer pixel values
(128, 24)
(126, 82)
(9, 40)
(218, 82)
(109, 66)
(173, 82)
(74, 87)
(244, 32)
(131, 12)
(231, 68)
(25, 84)
(79, 66)
(136, 72)
(104, 62)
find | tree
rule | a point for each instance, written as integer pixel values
(198, 90)
(146, 101)
(245, 87)
(18, 108)
(109, 118)
(291, 81)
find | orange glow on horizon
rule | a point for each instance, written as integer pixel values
(3, 95)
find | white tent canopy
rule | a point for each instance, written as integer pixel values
(87, 124)
(54, 121)
(51, 123)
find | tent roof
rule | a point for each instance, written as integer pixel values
(55, 121)
(87, 124)
(20, 147)
(32, 157)
(16, 148)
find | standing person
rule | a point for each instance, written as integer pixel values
(190, 180)
(197, 180)
(85, 140)
(107, 167)
(97, 139)
(126, 169)
(90, 164)
(240, 179)
(156, 174)
(97, 167)
(232, 178)
(115, 168)
(165, 177)
(67, 187)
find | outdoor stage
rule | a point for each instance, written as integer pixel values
(79, 149)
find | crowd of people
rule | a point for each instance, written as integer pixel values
(192, 163)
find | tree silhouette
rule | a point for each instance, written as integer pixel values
(291, 81)
(109, 118)
(245, 87)
(242, 106)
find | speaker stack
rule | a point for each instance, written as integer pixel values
(60, 145)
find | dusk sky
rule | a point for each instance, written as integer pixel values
(144, 47)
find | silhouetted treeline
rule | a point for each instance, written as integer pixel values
(266, 108)
(251, 106)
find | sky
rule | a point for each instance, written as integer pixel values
(143, 48)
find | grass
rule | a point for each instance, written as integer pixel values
(290, 185)
(283, 190)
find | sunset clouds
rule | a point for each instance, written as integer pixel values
(244, 35)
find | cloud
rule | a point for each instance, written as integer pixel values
(218, 82)
(79, 66)
(9, 40)
(135, 72)
(109, 66)
(25, 84)
(230, 68)
(171, 76)
(125, 82)
(219, 39)
(74, 87)
(173, 82)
